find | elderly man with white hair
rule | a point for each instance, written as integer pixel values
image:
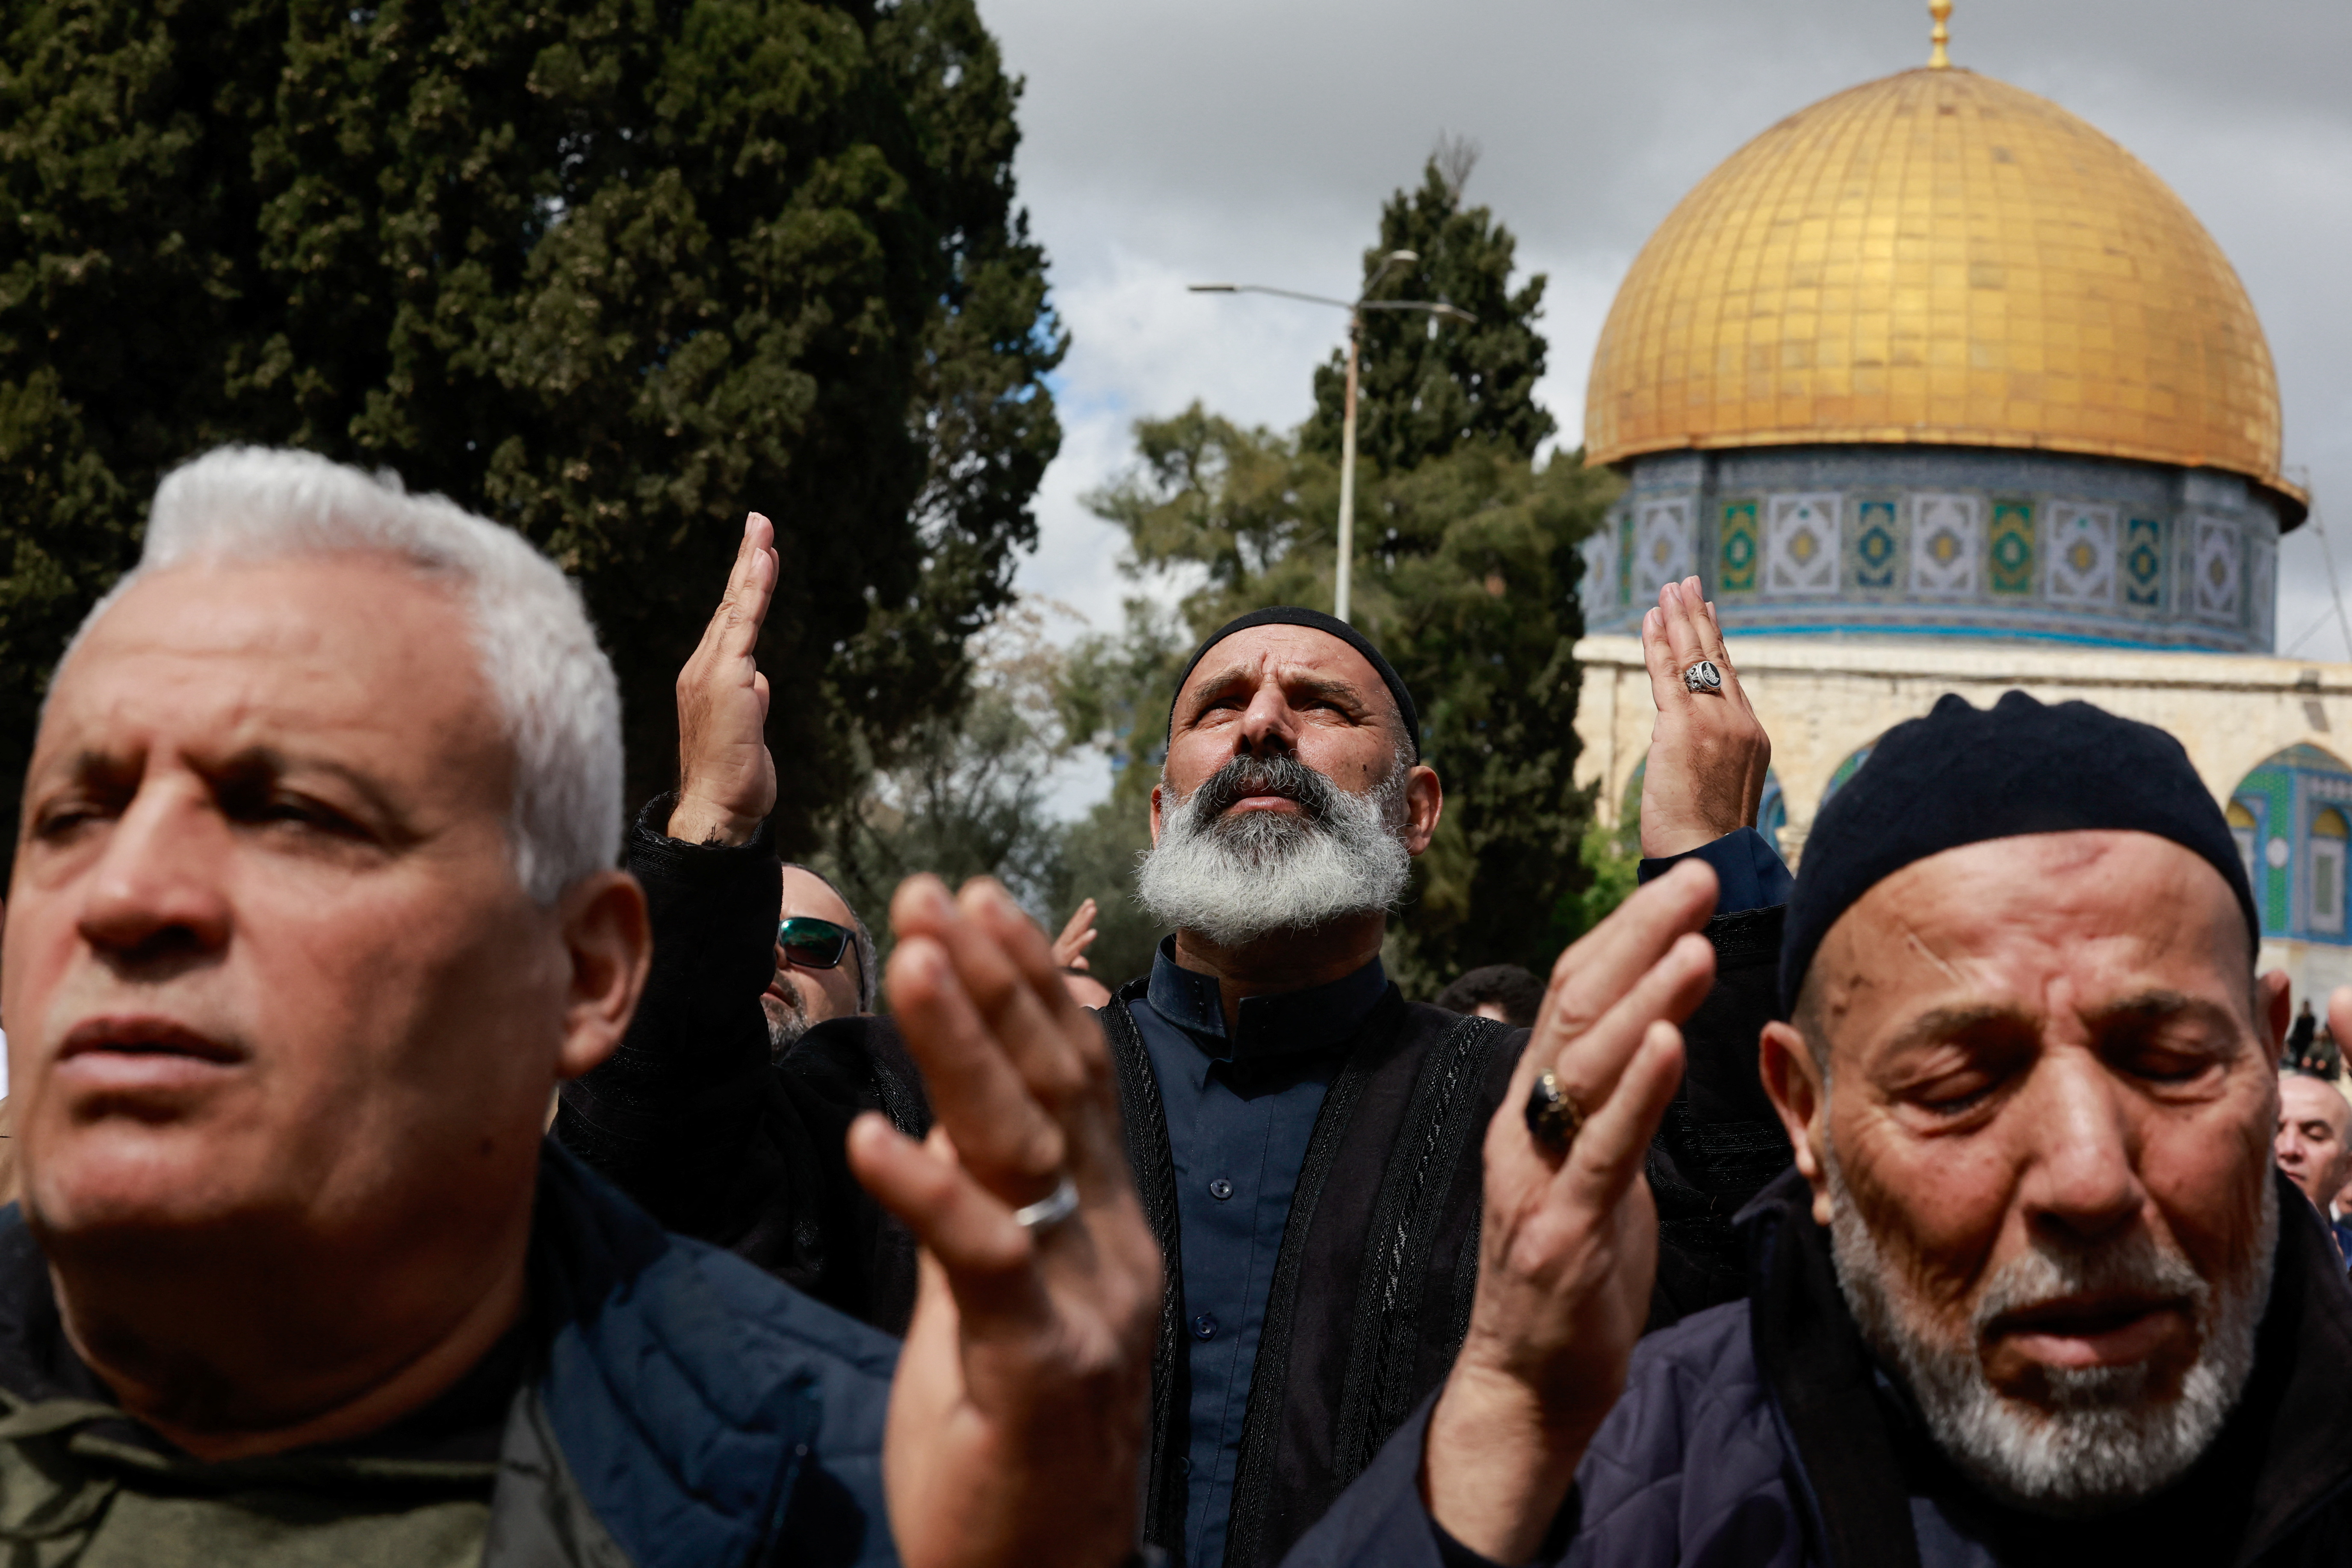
(313, 909)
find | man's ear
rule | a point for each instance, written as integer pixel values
(1155, 814)
(2274, 1007)
(1797, 1093)
(610, 938)
(1424, 803)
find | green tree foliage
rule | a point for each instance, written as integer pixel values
(612, 272)
(1425, 386)
(1115, 691)
(966, 794)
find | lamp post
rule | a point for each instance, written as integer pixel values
(1355, 309)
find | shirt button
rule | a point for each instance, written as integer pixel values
(1221, 1189)
(1204, 1327)
(1184, 1466)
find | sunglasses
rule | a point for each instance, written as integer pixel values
(811, 942)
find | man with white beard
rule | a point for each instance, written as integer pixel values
(1306, 1141)
(2034, 1292)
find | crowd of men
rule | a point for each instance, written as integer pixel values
(404, 1180)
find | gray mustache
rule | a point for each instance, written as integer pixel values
(1281, 774)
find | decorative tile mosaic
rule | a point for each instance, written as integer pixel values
(2144, 562)
(1665, 547)
(1624, 526)
(1947, 541)
(1915, 535)
(2261, 590)
(2215, 577)
(2012, 547)
(1736, 567)
(1602, 586)
(1875, 544)
(1801, 545)
(2082, 554)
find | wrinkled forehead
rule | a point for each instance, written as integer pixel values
(332, 652)
(2080, 919)
(1293, 658)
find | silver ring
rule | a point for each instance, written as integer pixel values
(1702, 677)
(1050, 1210)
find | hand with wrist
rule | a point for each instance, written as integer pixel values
(1708, 752)
(1568, 1245)
(727, 780)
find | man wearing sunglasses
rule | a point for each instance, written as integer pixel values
(825, 960)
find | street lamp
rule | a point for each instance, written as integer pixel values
(1355, 309)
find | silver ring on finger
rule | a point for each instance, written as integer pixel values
(1553, 1115)
(1050, 1210)
(1704, 676)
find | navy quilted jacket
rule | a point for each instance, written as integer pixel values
(690, 1411)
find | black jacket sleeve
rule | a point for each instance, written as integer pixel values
(1721, 1142)
(694, 1118)
(676, 1116)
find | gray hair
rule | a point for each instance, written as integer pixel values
(557, 698)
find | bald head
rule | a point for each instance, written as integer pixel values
(2312, 1146)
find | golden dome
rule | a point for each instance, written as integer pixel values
(1936, 257)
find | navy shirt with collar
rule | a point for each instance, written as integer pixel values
(1240, 1110)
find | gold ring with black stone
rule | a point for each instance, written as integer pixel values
(1552, 1114)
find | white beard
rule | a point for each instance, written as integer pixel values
(1232, 880)
(2105, 1438)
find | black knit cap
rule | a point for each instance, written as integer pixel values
(1963, 774)
(1293, 615)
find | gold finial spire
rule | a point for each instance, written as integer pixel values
(1941, 10)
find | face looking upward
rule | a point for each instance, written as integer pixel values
(270, 975)
(2047, 1121)
(2312, 1145)
(1288, 806)
(1293, 690)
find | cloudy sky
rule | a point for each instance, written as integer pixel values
(1166, 142)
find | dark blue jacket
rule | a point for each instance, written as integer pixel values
(662, 1404)
(690, 1407)
(1760, 1435)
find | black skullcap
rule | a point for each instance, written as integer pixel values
(1963, 774)
(1293, 615)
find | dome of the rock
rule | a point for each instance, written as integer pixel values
(1937, 257)
(1934, 356)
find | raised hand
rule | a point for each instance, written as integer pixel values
(1709, 755)
(726, 779)
(1568, 1245)
(1070, 947)
(1017, 1418)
